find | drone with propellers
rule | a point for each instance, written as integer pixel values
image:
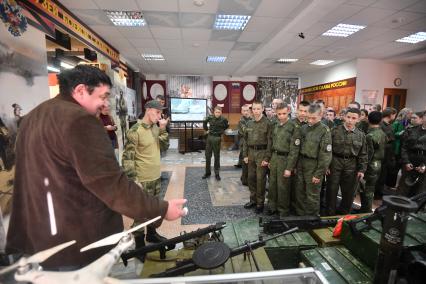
(28, 269)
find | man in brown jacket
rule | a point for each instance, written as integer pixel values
(68, 184)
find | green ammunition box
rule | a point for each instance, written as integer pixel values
(338, 265)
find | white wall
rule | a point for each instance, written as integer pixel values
(416, 97)
(376, 75)
(334, 73)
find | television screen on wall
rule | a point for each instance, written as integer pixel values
(187, 109)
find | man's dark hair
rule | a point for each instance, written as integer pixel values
(257, 103)
(87, 75)
(331, 110)
(313, 108)
(365, 111)
(375, 117)
(304, 103)
(353, 110)
(355, 103)
(388, 111)
(160, 97)
(320, 101)
(420, 113)
(377, 107)
(282, 106)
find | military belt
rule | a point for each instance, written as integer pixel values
(344, 157)
(258, 147)
(280, 153)
(307, 157)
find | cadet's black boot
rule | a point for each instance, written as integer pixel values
(153, 237)
(249, 204)
(139, 243)
(205, 176)
(218, 177)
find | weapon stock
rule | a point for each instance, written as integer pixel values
(162, 246)
(188, 265)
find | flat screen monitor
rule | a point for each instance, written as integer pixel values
(187, 109)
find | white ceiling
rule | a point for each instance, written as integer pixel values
(182, 32)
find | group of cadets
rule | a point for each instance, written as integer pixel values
(311, 157)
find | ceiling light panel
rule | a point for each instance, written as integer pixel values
(414, 38)
(286, 60)
(321, 62)
(343, 30)
(216, 59)
(126, 18)
(153, 57)
(231, 22)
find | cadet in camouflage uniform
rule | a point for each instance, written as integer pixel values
(215, 125)
(413, 156)
(389, 161)
(348, 164)
(141, 156)
(300, 120)
(376, 141)
(314, 159)
(257, 153)
(285, 151)
(242, 124)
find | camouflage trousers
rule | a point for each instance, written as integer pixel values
(279, 186)
(371, 176)
(153, 188)
(256, 176)
(213, 145)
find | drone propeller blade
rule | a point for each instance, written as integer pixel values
(113, 239)
(38, 257)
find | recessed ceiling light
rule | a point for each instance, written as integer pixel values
(231, 22)
(216, 59)
(66, 65)
(286, 60)
(321, 62)
(198, 3)
(153, 57)
(414, 38)
(343, 30)
(126, 18)
(195, 44)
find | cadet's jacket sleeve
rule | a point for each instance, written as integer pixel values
(240, 128)
(404, 153)
(370, 147)
(129, 153)
(362, 159)
(163, 138)
(294, 148)
(205, 124)
(268, 152)
(324, 155)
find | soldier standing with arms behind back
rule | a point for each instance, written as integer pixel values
(314, 159)
(348, 164)
(215, 125)
(285, 150)
(257, 153)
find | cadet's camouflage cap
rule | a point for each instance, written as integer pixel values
(154, 104)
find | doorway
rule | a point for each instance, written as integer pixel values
(394, 98)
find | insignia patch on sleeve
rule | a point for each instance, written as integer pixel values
(297, 142)
(328, 148)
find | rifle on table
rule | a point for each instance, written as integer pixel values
(364, 223)
(274, 226)
(163, 246)
(197, 260)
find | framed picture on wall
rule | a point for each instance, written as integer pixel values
(367, 107)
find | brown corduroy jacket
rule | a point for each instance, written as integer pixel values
(64, 150)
